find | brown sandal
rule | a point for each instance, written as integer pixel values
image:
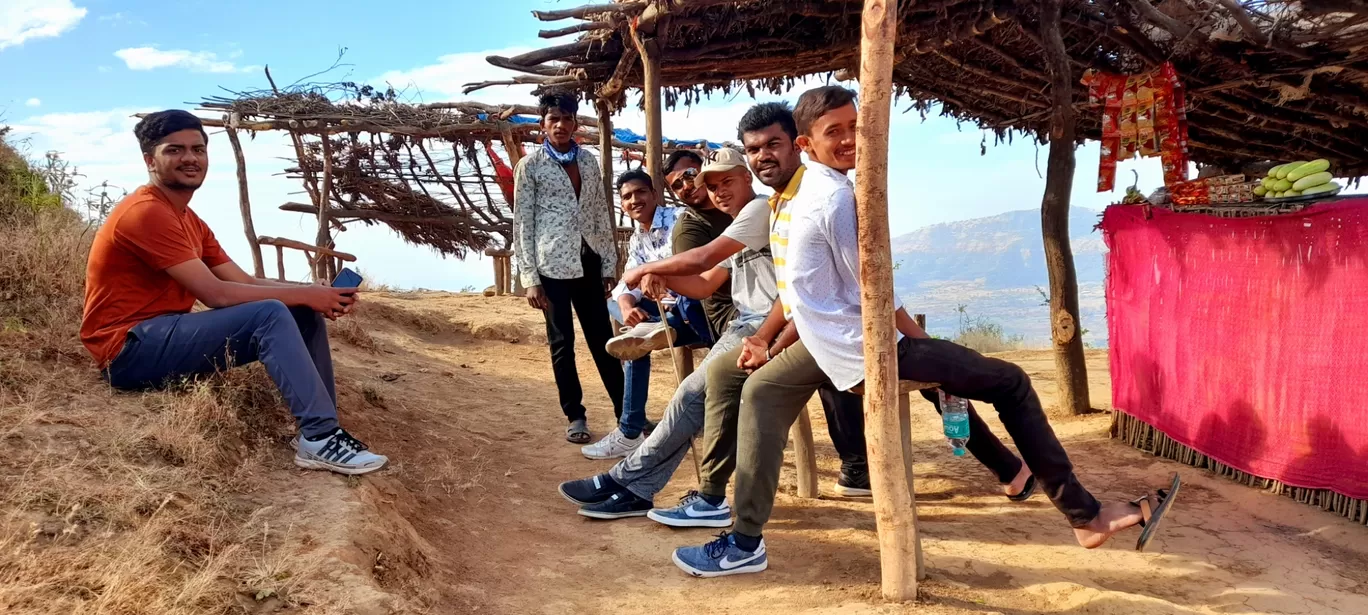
(1153, 506)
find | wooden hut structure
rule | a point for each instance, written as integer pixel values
(440, 174)
(1264, 80)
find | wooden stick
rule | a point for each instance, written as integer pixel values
(280, 262)
(605, 122)
(244, 203)
(324, 202)
(1054, 219)
(894, 500)
(614, 8)
(280, 242)
(650, 65)
(587, 26)
(804, 455)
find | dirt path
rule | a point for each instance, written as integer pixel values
(473, 425)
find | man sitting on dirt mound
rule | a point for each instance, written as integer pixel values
(154, 257)
(815, 235)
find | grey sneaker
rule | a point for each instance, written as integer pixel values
(639, 341)
(339, 452)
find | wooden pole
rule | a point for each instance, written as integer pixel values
(894, 506)
(280, 263)
(605, 122)
(324, 209)
(650, 66)
(244, 203)
(804, 455)
(1054, 219)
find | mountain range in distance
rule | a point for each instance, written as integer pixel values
(995, 268)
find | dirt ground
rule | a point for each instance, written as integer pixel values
(458, 391)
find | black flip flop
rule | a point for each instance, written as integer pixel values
(577, 432)
(1026, 491)
(1153, 506)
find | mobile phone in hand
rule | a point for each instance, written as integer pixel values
(346, 278)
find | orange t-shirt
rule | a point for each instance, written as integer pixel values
(126, 279)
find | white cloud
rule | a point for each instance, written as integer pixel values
(151, 58)
(33, 102)
(443, 80)
(23, 20)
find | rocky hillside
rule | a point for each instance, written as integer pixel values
(993, 266)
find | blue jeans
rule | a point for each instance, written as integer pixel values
(690, 329)
(291, 342)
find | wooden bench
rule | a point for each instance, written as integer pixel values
(805, 454)
(503, 270)
(324, 262)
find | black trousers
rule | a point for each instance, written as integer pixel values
(965, 373)
(845, 422)
(586, 296)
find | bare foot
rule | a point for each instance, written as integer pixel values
(1111, 519)
(1018, 484)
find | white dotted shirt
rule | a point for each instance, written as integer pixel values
(822, 271)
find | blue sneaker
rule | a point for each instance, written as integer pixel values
(720, 558)
(693, 511)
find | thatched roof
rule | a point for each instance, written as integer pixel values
(429, 171)
(1265, 79)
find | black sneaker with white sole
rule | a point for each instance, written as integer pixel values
(620, 505)
(854, 483)
(589, 491)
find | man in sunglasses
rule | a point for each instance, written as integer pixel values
(697, 226)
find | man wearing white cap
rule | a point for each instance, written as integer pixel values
(628, 489)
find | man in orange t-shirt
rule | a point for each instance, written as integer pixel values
(154, 257)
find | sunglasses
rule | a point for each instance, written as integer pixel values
(685, 177)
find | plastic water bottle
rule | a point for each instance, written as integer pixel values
(955, 418)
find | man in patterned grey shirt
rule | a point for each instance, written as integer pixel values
(566, 257)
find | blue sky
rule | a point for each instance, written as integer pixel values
(73, 71)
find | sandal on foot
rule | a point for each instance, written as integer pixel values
(1026, 492)
(577, 432)
(1153, 506)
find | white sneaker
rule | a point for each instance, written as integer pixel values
(339, 452)
(612, 446)
(639, 341)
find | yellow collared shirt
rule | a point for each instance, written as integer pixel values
(779, 236)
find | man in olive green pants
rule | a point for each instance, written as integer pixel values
(787, 387)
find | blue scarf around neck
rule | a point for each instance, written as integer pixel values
(563, 158)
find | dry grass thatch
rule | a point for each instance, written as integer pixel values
(429, 171)
(1266, 79)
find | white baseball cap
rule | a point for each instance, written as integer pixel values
(721, 161)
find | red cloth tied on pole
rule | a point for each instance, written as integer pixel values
(503, 175)
(1246, 338)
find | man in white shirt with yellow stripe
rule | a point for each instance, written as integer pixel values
(815, 247)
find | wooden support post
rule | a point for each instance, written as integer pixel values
(244, 203)
(894, 505)
(905, 427)
(605, 127)
(804, 455)
(650, 67)
(324, 205)
(1054, 219)
(280, 263)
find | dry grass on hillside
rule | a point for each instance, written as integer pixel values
(122, 503)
